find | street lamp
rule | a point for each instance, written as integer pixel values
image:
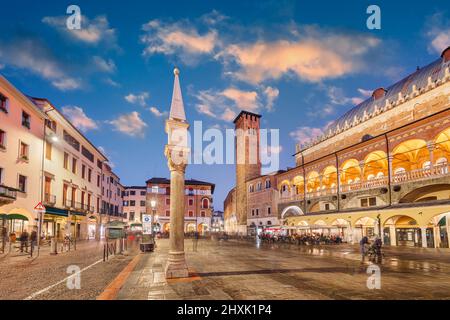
(153, 205)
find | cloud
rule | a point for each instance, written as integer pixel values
(140, 99)
(271, 95)
(156, 112)
(365, 93)
(103, 65)
(130, 124)
(246, 100)
(92, 32)
(314, 55)
(180, 39)
(438, 32)
(226, 104)
(112, 83)
(31, 55)
(79, 119)
(303, 135)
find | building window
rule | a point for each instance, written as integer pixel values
(3, 103)
(143, 193)
(369, 202)
(1, 175)
(74, 165)
(191, 202)
(132, 193)
(83, 171)
(125, 215)
(132, 203)
(48, 150)
(98, 180)
(71, 140)
(259, 186)
(327, 206)
(267, 184)
(142, 203)
(205, 203)
(89, 174)
(23, 151)
(167, 213)
(50, 124)
(154, 189)
(269, 211)
(85, 152)
(191, 213)
(257, 212)
(167, 201)
(22, 183)
(26, 120)
(132, 216)
(66, 160)
(250, 188)
(2, 140)
(253, 212)
(203, 214)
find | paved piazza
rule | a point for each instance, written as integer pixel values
(243, 270)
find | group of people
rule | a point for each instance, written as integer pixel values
(303, 239)
(26, 239)
(373, 250)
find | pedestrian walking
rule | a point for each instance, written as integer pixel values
(4, 237)
(362, 246)
(33, 240)
(195, 241)
(24, 240)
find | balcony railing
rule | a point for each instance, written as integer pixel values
(8, 192)
(49, 199)
(78, 206)
(403, 177)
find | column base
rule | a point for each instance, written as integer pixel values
(176, 266)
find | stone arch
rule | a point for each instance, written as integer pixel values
(313, 181)
(442, 146)
(375, 163)
(427, 193)
(410, 155)
(351, 171)
(299, 184)
(329, 177)
(400, 220)
(293, 210)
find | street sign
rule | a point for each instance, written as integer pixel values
(39, 207)
(146, 224)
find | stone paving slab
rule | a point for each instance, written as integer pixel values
(241, 271)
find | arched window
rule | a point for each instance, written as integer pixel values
(259, 186)
(267, 184)
(250, 188)
(205, 203)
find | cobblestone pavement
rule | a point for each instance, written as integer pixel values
(21, 276)
(244, 270)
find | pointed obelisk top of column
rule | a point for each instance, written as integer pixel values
(177, 106)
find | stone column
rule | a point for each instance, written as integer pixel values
(423, 232)
(176, 264)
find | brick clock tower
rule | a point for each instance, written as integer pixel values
(248, 161)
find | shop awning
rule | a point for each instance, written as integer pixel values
(56, 211)
(136, 225)
(16, 216)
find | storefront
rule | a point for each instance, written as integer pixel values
(55, 221)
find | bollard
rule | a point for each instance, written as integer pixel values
(117, 246)
(53, 246)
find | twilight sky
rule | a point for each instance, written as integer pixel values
(301, 64)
